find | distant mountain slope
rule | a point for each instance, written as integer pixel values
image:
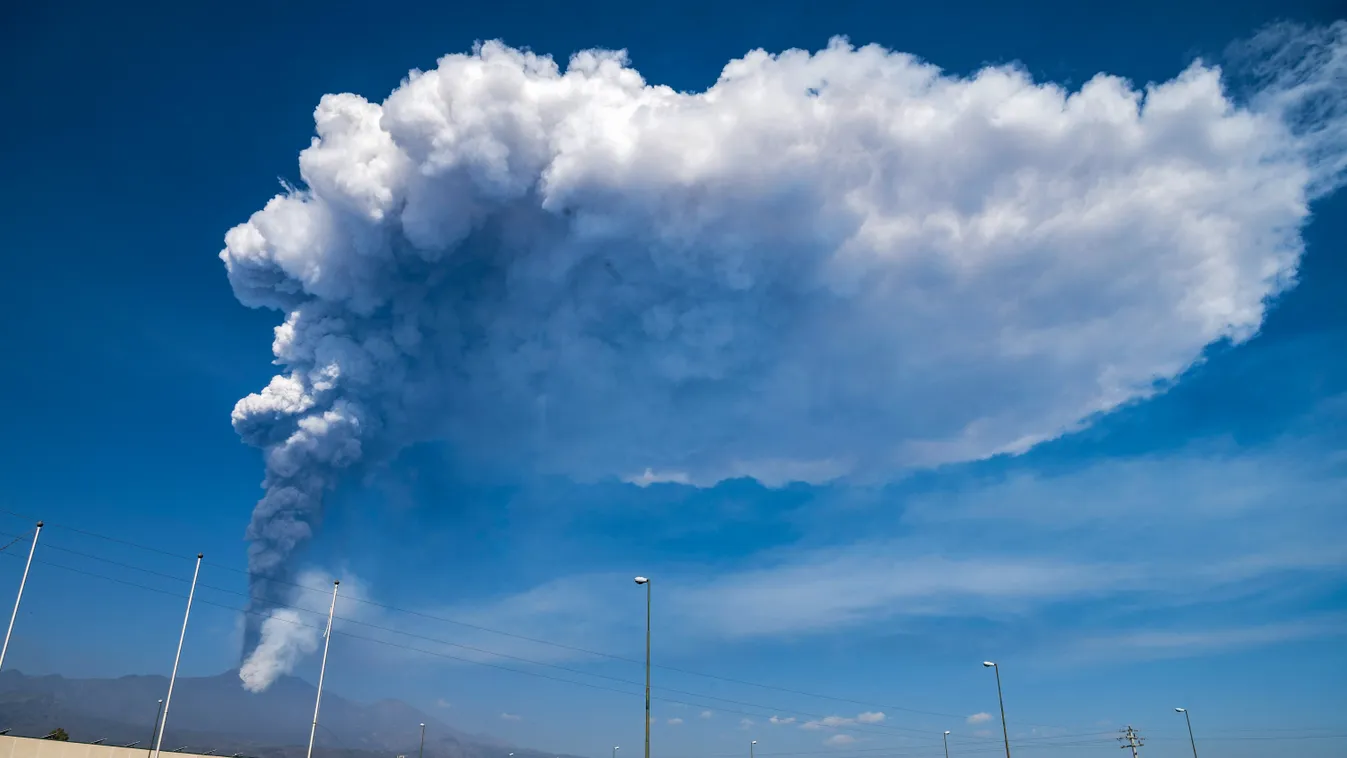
(215, 713)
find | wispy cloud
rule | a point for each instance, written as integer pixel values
(839, 739)
(706, 714)
(1230, 522)
(675, 721)
(838, 722)
(1172, 643)
(511, 717)
(781, 721)
(978, 718)
(1236, 524)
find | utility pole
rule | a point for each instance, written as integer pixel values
(322, 670)
(168, 699)
(32, 549)
(1131, 739)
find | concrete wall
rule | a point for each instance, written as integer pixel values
(29, 747)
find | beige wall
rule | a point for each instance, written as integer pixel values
(28, 747)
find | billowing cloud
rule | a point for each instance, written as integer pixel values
(839, 739)
(828, 264)
(871, 717)
(675, 721)
(978, 718)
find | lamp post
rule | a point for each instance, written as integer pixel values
(1005, 733)
(157, 714)
(751, 745)
(1189, 721)
(422, 752)
(646, 582)
(946, 738)
(615, 749)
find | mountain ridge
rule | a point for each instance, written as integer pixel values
(216, 713)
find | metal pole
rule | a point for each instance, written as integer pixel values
(751, 745)
(945, 737)
(1004, 731)
(422, 752)
(22, 582)
(157, 713)
(168, 699)
(322, 671)
(1189, 721)
(647, 669)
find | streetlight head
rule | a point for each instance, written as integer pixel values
(946, 731)
(641, 580)
(755, 742)
(1180, 710)
(989, 664)
(423, 726)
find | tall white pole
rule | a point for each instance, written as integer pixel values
(22, 582)
(163, 723)
(322, 671)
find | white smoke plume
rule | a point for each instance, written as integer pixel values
(289, 633)
(844, 263)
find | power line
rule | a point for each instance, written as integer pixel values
(526, 638)
(1042, 742)
(853, 727)
(264, 614)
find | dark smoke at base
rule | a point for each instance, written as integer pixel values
(846, 263)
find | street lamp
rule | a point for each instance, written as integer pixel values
(946, 738)
(1004, 732)
(615, 749)
(1189, 721)
(157, 714)
(422, 752)
(750, 748)
(646, 582)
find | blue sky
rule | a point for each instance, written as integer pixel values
(1181, 549)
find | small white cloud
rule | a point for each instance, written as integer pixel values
(675, 722)
(511, 717)
(811, 725)
(978, 718)
(871, 717)
(649, 477)
(839, 739)
(442, 703)
(745, 723)
(782, 721)
(982, 733)
(706, 714)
